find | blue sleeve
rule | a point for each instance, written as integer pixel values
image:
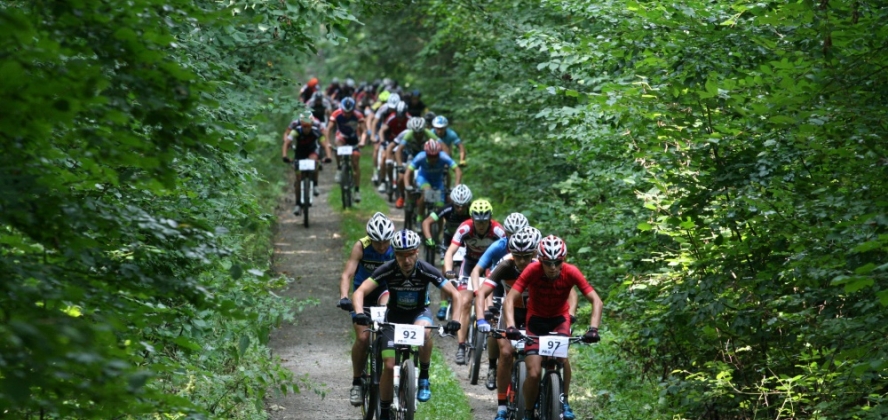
(445, 159)
(494, 252)
(418, 160)
(455, 136)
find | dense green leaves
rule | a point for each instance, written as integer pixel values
(133, 239)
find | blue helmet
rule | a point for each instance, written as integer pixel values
(347, 104)
(439, 122)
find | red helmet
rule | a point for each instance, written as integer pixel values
(313, 82)
(432, 148)
(552, 248)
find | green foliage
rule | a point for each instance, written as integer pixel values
(133, 222)
(718, 170)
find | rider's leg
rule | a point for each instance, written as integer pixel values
(359, 350)
(532, 381)
(387, 380)
(566, 372)
(356, 166)
(504, 372)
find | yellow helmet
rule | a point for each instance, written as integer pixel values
(481, 210)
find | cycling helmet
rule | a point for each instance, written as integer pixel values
(439, 122)
(525, 240)
(429, 117)
(405, 240)
(432, 148)
(350, 82)
(401, 109)
(313, 82)
(335, 81)
(380, 228)
(393, 99)
(480, 210)
(416, 93)
(552, 248)
(384, 96)
(514, 222)
(416, 124)
(306, 117)
(347, 104)
(461, 195)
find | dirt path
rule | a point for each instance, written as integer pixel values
(317, 345)
(481, 400)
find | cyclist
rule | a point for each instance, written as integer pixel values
(367, 254)
(349, 126)
(453, 215)
(512, 224)
(304, 135)
(320, 107)
(411, 144)
(407, 280)
(377, 119)
(548, 282)
(308, 89)
(415, 103)
(333, 89)
(449, 138)
(395, 123)
(430, 166)
(476, 235)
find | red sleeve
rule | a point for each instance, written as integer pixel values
(462, 230)
(578, 279)
(529, 272)
(335, 114)
(359, 116)
(389, 119)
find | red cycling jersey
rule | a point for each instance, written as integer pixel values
(548, 298)
(395, 125)
(476, 244)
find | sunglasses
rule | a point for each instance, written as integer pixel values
(552, 263)
(522, 256)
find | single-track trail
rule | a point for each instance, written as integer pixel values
(481, 400)
(317, 345)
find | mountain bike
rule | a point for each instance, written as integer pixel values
(477, 341)
(457, 261)
(306, 169)
(553, 348)
(347, 180)
(408, 339)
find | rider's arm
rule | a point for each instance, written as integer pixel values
(331, 124)
(457, 299)
(509, 305)
(351, 267)
(462, 153)
(572, 300)
(474, 277)
(597, 305)
(361, 133)
(448, 256)
(458, 174)
(358, 297)
(286, 146)
(382, 130)
(427, 225)
(481, 297)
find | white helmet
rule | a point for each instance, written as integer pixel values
(380, 228)
(405, 240)
(401, 109)
(393, 100)
(461, 195)
(439, 122)
(525, 240)
(552, 248)
(415, 124)
(514, 222)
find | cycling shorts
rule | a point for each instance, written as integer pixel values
(540, 326)
(435, 184)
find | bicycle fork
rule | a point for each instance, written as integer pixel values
(396, 375)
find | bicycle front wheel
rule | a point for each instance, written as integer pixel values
(475, 356)
(407, 390)
(519, 374)
(346, 184)
(306, 197)
(550, 404)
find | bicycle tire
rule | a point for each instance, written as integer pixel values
(409, 217)
(550, 397)
(375, 378)
(519, 374)
(407, 390)
(475, 360)
(306, 197)
(346, 183)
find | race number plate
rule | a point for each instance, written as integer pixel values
(306, 165)
(344, 150)
(411, 335)
(553, 345)
(377, 313)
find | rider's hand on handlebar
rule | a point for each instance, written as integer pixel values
(513, 333)
(573, 319)
(287, 160)
(450, 274)
(483, 326)
(452, 327)
(328, 159)
(591, 336)
(430, 241)
(488, 316)
(346, 304)
(462, 163)
(361, 319)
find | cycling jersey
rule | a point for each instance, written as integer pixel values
(395, 125)
(450, 138)
(474, 242)
(305, 142)
(347, 125)
(306, 92)
(427, 172)
(407, 293)
(548, 298)
(506, 274)
(319, 108)
(494, 253)
(452, 219)
(370, 261)
(413, 143)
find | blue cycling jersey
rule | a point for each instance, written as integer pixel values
(450, 138)
(495, 252)
(370, 261)
(432, 173)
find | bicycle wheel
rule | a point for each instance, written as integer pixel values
(550, 397)
(306, 197)
(470, 338)
(345, 183)
(475, 359)
(407, 390)
(409, 216)
(375, 409)
(432, 250)
(519, 374)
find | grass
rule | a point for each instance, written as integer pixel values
(448, 400)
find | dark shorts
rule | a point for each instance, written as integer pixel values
(399, 317)
(305, 152)
(465, 271)
(349, 141)
(539, 326)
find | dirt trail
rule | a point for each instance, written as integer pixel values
(481, 400)
(317, 346)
